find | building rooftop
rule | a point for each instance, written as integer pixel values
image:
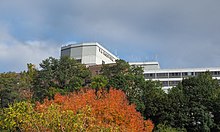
(184, 70)
(87, 44)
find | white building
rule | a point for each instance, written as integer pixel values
(95, 54)
(88, 53)
(171, 77)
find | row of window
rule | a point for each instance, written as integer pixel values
(177, 74)
(173, 83)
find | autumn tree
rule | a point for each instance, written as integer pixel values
(111, 110)
(81, 111)
(22, 116)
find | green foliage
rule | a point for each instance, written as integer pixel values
(64, 75)
(165, 128)
(155, 101)
(9, 88)
(29, 74)
(16, 86)
(23, 117)
(99, 82)
(16, 115)
(216, 112)
(148, 96)
(128, 78)
(192, 104)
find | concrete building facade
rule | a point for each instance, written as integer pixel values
(172, 77)
(88, 53)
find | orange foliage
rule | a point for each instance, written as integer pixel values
(109, 109)
(149, 125)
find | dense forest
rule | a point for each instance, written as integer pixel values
(63, 96)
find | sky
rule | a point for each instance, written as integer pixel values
(178, 34)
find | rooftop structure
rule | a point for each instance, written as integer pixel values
(88, 53)
(147, 65)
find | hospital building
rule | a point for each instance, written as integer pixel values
(94, 55)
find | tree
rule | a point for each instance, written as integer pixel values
(148, 96)
(155, 101)
(79, 111)
(16, 86)
(165, 128)
(59, 75)
(193, 104)
(9, 87)
(111, 109)
(99, 82)
(26, 81)
(216, 111)
(22, 116)
(128, 78)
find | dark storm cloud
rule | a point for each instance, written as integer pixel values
(178, 33)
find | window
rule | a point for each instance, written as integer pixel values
(149, 75)
(188, 74)
(185, 73)
(215, 73)
(79, 60)
(103, 62)
(162, 75)
(175, 74)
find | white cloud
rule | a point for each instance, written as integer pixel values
(182, 33)
(14, 54)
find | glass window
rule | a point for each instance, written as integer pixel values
(149, 75)
(215, 73)
(162, 75)
(79, 60)
(175, 74)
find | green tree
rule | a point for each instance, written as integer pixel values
(99, 82)
(148, 96)
(9, 88)
(192, 104)
(128, 78)
(155, 101)
(216, 112)
(59, 75)
(16, 86)
(178, 107)
(26, 81)
(165, 128)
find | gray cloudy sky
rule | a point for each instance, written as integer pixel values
(176, 33)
